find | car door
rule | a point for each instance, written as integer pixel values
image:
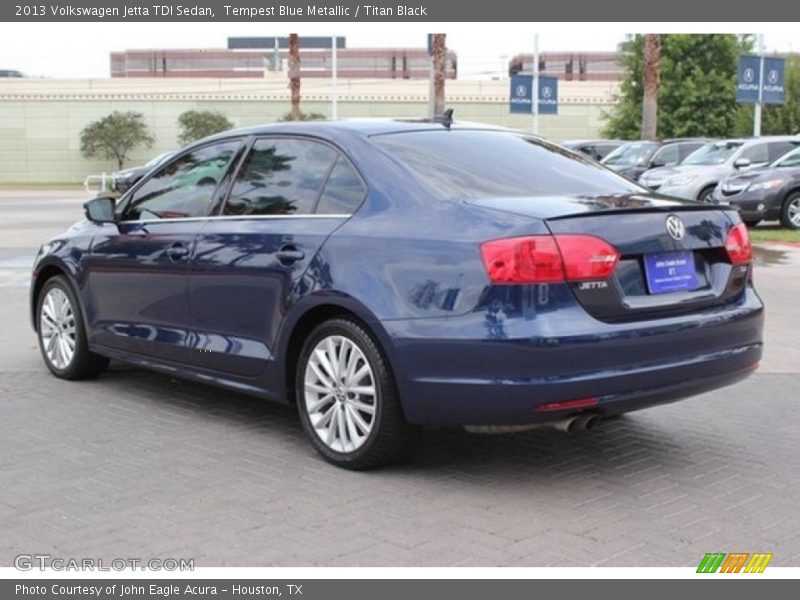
(287, 197)
(137, 275)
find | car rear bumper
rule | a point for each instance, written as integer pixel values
(625, 367)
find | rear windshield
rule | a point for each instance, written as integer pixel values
(481, 164)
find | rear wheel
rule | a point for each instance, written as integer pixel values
(347, 398)
(790, 212)
(752, 222)
(62, 338)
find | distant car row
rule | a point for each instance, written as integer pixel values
(761, 176)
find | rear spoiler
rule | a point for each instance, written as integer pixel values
(647, 209)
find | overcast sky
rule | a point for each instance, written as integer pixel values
(82, 49)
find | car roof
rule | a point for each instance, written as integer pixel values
(363, 127)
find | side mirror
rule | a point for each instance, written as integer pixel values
(100, 209)
(741, 163)
(655, 164)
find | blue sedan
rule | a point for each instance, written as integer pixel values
(383, 274)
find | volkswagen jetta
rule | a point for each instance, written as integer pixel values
(381, 274)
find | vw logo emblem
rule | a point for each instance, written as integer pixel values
(520, 91)
(773, 76)
(547, 92)
(675, 227)
(749, 75)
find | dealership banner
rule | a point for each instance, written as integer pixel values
(521, 94)
(729, 587)
(387, 11)
(750, 80)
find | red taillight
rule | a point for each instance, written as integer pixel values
(586, 257)
(548, 259)
(738, 245)
(533, 259)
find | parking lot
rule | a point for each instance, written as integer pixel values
(136, 464)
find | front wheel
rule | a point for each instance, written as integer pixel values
(62, 338)
(790, 212)
(705, 194)
(347, 398)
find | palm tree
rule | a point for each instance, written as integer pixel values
(294, 75)
(652, 77)
(439, 57)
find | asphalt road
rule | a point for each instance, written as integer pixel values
(136, 464)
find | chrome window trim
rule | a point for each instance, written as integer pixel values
(239, 218)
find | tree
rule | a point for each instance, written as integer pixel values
(697, 93)
(115, 136)
(776, 119)
(652, 76)
(294, 75)
(439, 58)
(197, 124)
(312, 116)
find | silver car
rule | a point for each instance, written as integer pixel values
(697, 176)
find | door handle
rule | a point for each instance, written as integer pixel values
(289, 254)
(177, 251)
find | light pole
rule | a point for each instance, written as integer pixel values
(757, 108)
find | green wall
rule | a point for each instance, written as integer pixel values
(40, 139)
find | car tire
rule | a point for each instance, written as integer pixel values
(751, 222)
(347, 397)
(62, 335)
(790, 211)
(705, 194)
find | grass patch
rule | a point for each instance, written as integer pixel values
(774, 233)
(41, 186)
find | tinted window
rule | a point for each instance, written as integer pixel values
(792, 159)
(686, 149)
(757, 153)
(666, 155)
(631, 154)
(183, 188)
(714, 153)
(479, 164)
(778, 149)
(280, 177)
(343, 192)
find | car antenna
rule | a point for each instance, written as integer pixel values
(447, 118)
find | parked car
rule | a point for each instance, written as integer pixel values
(635, 158)
(384, 273)
(697, 176)
(769, 193)
(125, 179)
(595, 149)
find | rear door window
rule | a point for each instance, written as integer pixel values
(344, 190)
(281, 177)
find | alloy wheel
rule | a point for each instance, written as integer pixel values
(57, 328)
(340, 393)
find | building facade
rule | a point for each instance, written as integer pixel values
(572, 66)
(223, 63)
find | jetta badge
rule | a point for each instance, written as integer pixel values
(675, 227)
